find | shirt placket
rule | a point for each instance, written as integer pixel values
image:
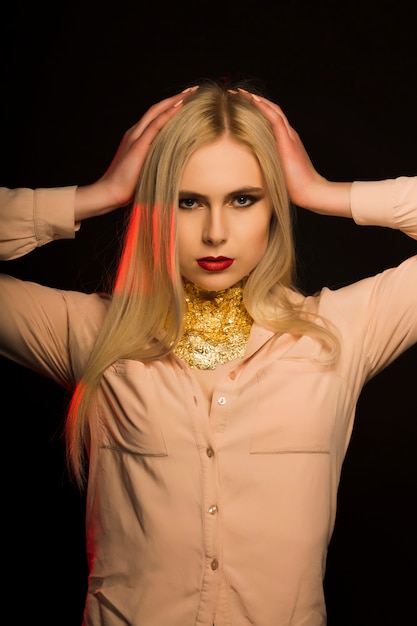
(209, 430)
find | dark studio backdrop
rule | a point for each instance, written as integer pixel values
(75, 76)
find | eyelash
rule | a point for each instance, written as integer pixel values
(248, 199)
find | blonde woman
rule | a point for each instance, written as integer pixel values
(213, 401)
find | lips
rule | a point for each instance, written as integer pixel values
(215, 264)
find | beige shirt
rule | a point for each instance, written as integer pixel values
(222, 514)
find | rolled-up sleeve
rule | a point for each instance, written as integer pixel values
(391, 203)
(30, 218)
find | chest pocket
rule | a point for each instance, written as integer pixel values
(130, 411)
(297, 407)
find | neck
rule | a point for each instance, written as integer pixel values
(216, 326)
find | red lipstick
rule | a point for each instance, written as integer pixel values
(215, 264)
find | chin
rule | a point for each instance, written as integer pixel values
(215, 281)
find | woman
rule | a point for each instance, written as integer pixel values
(213, 401)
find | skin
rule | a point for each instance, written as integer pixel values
(224, 211)
(307, 188)
(115, 189)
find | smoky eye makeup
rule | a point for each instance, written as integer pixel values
(188, 202)
(243, 200)
(240, 198)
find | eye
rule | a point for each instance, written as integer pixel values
(188, 203)
(244, 200)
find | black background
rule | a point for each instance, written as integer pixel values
(74, 77)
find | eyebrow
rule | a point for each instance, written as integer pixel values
(237, 192)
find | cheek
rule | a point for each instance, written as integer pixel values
(254, 248)
(183, 236)
(260, 232)
(185, 240)
(259, 240)
(182, 247)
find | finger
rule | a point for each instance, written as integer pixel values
(142, 143)
(155, 110)
(272, 111)
(138, 146)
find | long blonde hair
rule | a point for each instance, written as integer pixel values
(147, 296)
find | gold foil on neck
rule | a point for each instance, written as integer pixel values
(216, 327)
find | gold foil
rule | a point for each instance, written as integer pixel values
(216, 327)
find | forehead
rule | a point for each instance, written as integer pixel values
(223, 163)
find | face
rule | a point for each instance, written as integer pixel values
(223, 216)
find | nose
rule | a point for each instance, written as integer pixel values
(215, 231)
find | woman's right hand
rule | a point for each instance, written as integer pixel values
(116, 187)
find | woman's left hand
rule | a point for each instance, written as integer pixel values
(306, 187)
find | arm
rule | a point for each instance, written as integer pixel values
(391, 203)
(30, 218)
(116, 187)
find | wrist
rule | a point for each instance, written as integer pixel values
(93, 200)
(327, 198)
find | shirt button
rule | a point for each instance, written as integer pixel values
(213, 509)
(210, 452)
(221, 400)
(214, 564)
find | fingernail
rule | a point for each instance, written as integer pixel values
(177, 104)
(190, 89)
(255, 97)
